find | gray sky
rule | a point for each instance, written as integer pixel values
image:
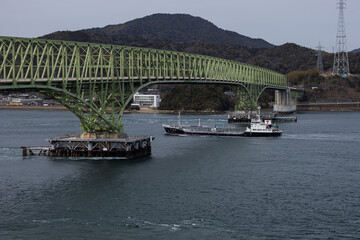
(304, 22)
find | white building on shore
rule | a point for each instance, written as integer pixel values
(146, 100)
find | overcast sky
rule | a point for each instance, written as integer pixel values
(304, 22)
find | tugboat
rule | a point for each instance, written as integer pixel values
(261, 128)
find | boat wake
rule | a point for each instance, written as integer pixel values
(323, 137)
(187, 224)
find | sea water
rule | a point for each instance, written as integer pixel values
(302, 185)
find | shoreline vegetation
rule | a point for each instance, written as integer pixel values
(300, 108)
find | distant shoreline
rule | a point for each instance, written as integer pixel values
(61, 108)
(143, 110)
(302, 108)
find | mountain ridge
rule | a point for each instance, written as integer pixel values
(180, 28)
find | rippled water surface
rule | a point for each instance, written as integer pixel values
(302, 185)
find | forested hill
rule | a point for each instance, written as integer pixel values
(178, 28)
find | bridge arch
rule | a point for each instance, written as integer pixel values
(96, 81)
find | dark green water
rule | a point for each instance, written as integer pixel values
(302, 185)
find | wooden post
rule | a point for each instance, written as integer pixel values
(24, 150)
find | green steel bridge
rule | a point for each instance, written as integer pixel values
(97, 81)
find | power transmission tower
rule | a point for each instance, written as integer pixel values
(341, 58)
(319, 64)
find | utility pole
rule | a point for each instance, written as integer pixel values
(341, 58)
(319, 64)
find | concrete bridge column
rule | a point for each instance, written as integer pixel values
(284, 102)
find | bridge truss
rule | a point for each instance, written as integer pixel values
(97, 81)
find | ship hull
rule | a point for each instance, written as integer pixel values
(205, 134)
(176, 130)
(203, 131)
(262, 134)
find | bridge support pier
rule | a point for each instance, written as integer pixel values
(284, 102)
(102, 135)
(94, 146)
(247, 99)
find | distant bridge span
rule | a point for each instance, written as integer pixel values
(97, 81)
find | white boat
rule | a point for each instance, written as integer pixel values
(262, 128)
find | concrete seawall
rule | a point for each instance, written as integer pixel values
(335, 106)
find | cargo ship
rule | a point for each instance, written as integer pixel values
(203, 130)
(257, 128)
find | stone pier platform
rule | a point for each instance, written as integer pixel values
(88, 145)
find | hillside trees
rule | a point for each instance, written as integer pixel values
(197, 97)
(304, 78)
